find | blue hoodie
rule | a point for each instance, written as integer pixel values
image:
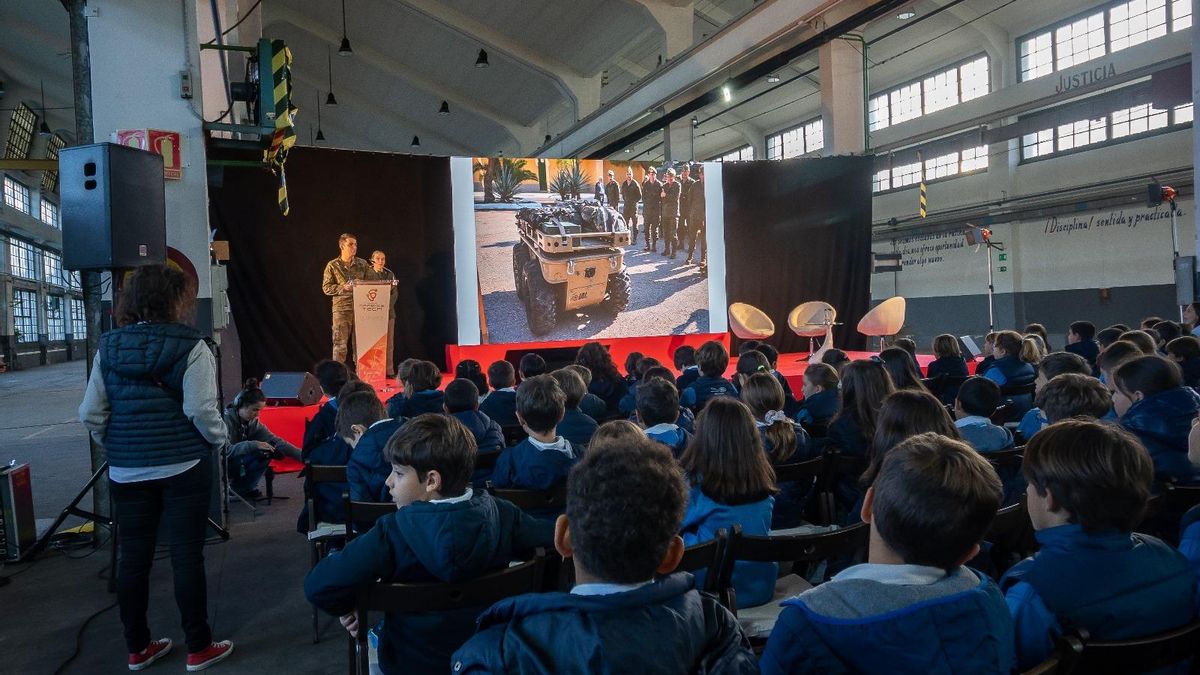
(1189, 543)
(854, 623)
(1161, 422)
(1115, 584)
(489, 437)
(753, 581)
(426, 542)
(1013, 372)
(421, 402)
(673, 436)
(577, 428)
(1089, 350)
(367, 470)
(704, 388)
(819, 408)
(662, 628)
(530, 465)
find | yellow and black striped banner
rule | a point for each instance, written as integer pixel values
(921, 186)
(284, 136)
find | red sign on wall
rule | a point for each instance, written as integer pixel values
(169, 144)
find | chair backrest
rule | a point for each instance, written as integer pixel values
(705, 558)
(810, 319)
(805, 548)
(532, 500)
(1011, 536)
(315, 474)
(1006, 459)
(486, 460)
(1062, 661)
(801, 471)
(1018, 389)
(1142, 655)
(749, 322)
(886, 318)
(361, 516)
(1180, 498)
(513, 434)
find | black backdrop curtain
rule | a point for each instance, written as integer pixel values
(399, 204)
(800, 230)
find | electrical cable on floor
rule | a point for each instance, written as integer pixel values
(79, 638)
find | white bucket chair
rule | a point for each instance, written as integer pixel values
(812, 320)
(885, 319)
(749, 322)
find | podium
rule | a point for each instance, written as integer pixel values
(372, 327)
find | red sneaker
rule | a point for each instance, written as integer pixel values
(153, 652)
(210, 655)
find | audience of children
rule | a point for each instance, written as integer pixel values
(632, 359)
(470, 369)
(1153, 404)
(461, 401)
(904, 414)
(591, 405)
(629, 610)
(501, 404)
(531, 365)
(836, 358)
(629, 401)
(540, 462)
(977, 400)
(336, 451)
(658, 413)
(1013, 367)
(1186, 352)
(732, 483)
(1109, 335)
(252, 446)
(903, 368)
(1073, 395)
(606, 382)
(821, 400)
(713, 359)
(1164, 332)
(332, 375)
(913, 607)
(420, 394)
(949, 363)
(576, 427)
(790, 404)
(1088, 488)
(1143, 339)
(685, 362)
(1048, 368)
(442, 530)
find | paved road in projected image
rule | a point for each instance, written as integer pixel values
(669, 297)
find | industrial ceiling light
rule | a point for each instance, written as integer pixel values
(345, 49)
(416, 142)
(772, 78)
(320, 134)
(481, 61)
(695, 122)
(330, 99)
(546, 141)
(43, 128)
(726, 93)
(445, 109)
(906, 15)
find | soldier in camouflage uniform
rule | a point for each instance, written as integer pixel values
(337, 283)
(652, 202)
(670, 214)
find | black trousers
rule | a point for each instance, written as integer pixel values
(183, 500)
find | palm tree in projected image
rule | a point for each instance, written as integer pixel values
(570, 181)
(509, 176)
(488, 168)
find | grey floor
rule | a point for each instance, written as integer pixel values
(254, 580)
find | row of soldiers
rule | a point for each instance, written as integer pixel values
(672, 209)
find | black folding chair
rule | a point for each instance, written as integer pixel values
(532, 500)
(809, 472)
(400, 598)
(1011, 537)
(707, 558)
(361, 516)
(486, 460)
(840, 468)
(318, 546)
(513, 435)
(1143, 655)
(1006, 460)
(1062, 660)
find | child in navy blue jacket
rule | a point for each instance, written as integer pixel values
(501, 404)
(784, 441)
(821, 400)
(685, 362)
(949, 363)
(367, 470)
(713, 359)
(442, 531)
(591, 405)
(541, 461)
(576, 427)
(332, 375)
(1088, 487)
(1186, 352)
(1081, 341)
(336, 451)
(732, 483)
(420, 394)
(658, 411)
(461, 401)
(912, 607)
(625, 501)
(1152, 402)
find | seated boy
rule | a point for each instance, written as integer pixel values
(687, 418)
(461, 401)
(1081, 341)
(1186, 352)
(541, 461)
(658, 411)
(685, 363)
(420, 394)
(576, 427)
(1053, 365)
(978, 398)
(713, 360)
(531, 365)
(1088, 488)
(360, 409)
(1073, 395)
(913, 607)
(821, 401)
(367, 470)
(591, 405)
(442, 531)
(628, 404)
(333, 376)
(624, 508)
(501, 404)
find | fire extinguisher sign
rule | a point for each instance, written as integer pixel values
(168, 144)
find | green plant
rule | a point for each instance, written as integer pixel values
(509, 176)
(570, 182)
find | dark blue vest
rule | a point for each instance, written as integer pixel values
(143, 367)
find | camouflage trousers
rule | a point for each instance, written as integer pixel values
(343, 335)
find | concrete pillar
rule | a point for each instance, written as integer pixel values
(677, 141)
(138, 49)
(842, 97)
(676, 19)
(587, 95)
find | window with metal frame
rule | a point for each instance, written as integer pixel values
(1136, 21)
(25, 315)
(52, 268)
(799, 140)
(1116, 126)
(50, 178)
(20, 132)
(78, 318)
(22, 259)
(938, 90)
(56, 323)
(17, 196)
(49, 213)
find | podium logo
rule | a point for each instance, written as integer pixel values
(371, 294)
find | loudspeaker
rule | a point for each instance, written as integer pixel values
(113, 207)
(291, 389)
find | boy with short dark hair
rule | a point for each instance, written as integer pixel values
(1186, 352)
(913, 607)
(687, 419)
(658, 412)
(366, 428)
(625, 505)
(1073, 395)
(685, 363)
(1050, 367)
(531, 365)
(576, 427)
(360, 409)
(821, 401)
(1081, 341)
(978, 398)
(1089, 484)
(713, 360)
(462, 403)
(501, 404)
(332, 375)
(541, 461)
(420, 394)
(442, 531)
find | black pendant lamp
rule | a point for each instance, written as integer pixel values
(416, 143)
(320, 134)
(43, 128)
(330, 99)
(344, 49)
(481, 61)
(445, 109)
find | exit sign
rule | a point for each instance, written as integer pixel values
(1003, 257)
